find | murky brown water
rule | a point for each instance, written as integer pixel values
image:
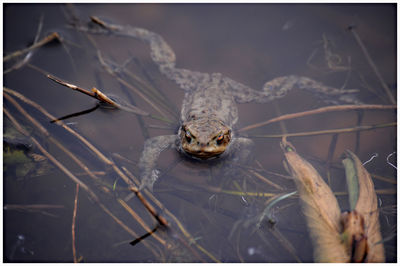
(248, 43)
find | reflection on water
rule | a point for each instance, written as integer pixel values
(248, 43)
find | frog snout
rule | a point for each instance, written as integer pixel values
(203, 145)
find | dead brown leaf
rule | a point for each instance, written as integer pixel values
(320, 208)
(350, 237)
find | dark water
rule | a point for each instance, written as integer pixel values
(248, 43)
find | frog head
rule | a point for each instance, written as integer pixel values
(204, 138)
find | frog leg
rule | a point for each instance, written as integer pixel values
(238, 153)
(240, 150)
(148, 160)
(161, 53)
(278, 87)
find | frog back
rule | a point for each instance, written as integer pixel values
(211, 100)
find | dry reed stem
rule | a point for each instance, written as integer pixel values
(94, 93)
(47, 134)
(239, 193)
(38, 208)
(25, 60)
(31, 206)
(328, 131)
(73, 223)
(98, 95)
(331, 151)
(49, 156)
(265, 180)
(141, 222)
(285, 243)
(62, 168)
(372, 65)
(173, 217)
(378, 192)
(60, 123)
(385, 179)
(319, 111)
(74, 178)
(42, 42)
(90, 146)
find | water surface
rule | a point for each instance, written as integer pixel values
(248, 43)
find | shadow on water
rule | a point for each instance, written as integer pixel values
(248, 43)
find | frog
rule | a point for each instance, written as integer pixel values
(209, 110)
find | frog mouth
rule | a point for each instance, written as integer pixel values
(204, 155)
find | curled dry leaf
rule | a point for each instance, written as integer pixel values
(350, 237)
(320, 208)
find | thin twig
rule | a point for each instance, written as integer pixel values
(239, 193)
(265, 180)
(328, 131)
(365, 84)
(45, 40)
(331, 151)
(84, 91)
(285, 243)
(97, 94)
(31, 206)
(372, 65)
(29, 55)
(360, 116)
(378, 192)
(270, 172)
(73, 223)
(320, 110)
(385, 179)
(40, 208)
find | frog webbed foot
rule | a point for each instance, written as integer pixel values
(148, 160)
(148, 179)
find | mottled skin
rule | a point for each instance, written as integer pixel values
(209, 110)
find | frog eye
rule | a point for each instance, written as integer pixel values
(188, 136)
(220, 138)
